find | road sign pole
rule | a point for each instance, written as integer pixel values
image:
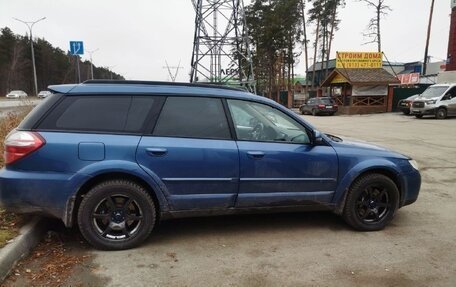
(79, 71)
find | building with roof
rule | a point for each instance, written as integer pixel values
(360, 91)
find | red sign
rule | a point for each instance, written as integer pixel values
(409, 79)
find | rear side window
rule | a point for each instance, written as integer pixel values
(100, 114)
(193, 117)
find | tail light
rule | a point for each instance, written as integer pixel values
(336, 106)
(321, 106)
(19, 144)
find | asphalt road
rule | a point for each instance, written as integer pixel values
(310, 249)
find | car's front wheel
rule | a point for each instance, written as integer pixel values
(371, 202)
(441, 113)
(116, 215)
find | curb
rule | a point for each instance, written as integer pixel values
(29, 236)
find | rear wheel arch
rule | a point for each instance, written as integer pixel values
(75, 202)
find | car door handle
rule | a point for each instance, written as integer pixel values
(156, 151)
(255, 154)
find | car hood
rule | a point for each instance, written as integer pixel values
(362, 147)
(426, 99)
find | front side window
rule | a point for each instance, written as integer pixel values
(193, 117)
(258, 122)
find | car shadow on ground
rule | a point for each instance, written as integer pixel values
(245, 224)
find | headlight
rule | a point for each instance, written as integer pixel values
(414, 164)
(431, 102)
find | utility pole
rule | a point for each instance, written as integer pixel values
(30, 27)
(91, 61)
(169, 68)
(426, 50)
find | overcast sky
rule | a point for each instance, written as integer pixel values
(137, 36)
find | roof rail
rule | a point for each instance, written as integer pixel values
(158, 83)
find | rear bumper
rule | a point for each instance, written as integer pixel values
(36, 192)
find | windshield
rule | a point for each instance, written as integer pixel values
(433, 92)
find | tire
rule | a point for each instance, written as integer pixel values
(314, 112)
(419, 116)
(371, 202)
(406, 112)
(302, 111)
(331, 114)
(441, 114)
(125, 215)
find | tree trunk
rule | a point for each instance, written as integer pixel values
(379, 39)
(306, 51)
(331, 36)
(315, 52)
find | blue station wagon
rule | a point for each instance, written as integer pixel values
(115, 157)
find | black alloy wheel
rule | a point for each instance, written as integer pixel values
(116, 215)
(371, 202)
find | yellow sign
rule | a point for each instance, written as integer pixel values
(339, 79)
(359, 60)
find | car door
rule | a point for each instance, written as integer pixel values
(278, 164)
(450, 101)
(192, 155)
(309, 105)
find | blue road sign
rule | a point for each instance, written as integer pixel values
(76, 47)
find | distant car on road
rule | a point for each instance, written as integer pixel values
(319, 106)
(16, 94)
(405, 104)
(44, 94)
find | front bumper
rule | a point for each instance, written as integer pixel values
(411, 185)
(422, 111)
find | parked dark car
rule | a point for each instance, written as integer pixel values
(319, 106)
(405, 104)
(115, 157)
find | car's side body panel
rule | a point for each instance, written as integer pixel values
(286, 174)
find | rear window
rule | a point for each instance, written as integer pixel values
(326, 101)
(193, 117)
(99, 114)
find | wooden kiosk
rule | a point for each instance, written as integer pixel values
(359, 84)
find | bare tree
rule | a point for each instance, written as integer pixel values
(374, 27)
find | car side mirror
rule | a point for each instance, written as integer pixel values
(317, 138)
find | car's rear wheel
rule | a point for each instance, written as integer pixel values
(371, 202)
(406, 112)
(116, 215)
(441, 113)
(419, 116)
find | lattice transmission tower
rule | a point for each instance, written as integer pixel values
(221, 51)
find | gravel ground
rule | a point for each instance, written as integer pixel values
(306, 249)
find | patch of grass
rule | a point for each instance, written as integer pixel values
(8, 227)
